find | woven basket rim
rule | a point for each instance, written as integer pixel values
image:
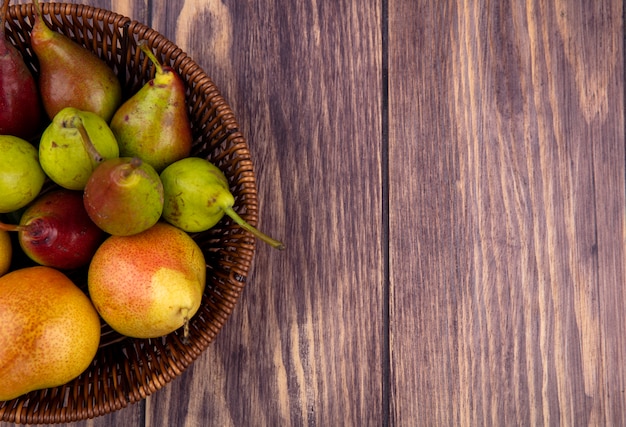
(106, 386)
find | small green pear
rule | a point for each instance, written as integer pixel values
(21, 176)
(153, 124)
(73, 145)
(124, 196)
(196, 197)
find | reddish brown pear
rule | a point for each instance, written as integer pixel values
(20, 107)
(71, 75)
(124, 196)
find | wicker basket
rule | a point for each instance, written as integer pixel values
(127, 370)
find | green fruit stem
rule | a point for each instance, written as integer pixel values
(38, 9)
(243, 224)
(143, 45)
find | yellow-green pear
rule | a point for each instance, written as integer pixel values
(149, 284)
(21, 176)
(73, 145)
(153, 124)
(49, 331)
(196, 196)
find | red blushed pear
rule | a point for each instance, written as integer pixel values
(124, 196)
(55, 231)
(20, 107)
(149, 284)
(71, 75)
(153, 124)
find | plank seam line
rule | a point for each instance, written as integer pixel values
(386, 324)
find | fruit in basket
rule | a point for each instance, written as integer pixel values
(124, 196)
(49, 330)
(71, 75)
(153, 124)
(196, 197)
(73, 145)
(56, 231)
(149, 284)
(20, 107)
(6, 252)
(21, 176)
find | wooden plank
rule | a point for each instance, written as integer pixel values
(425, 228)
(507, 139)
(304, 345)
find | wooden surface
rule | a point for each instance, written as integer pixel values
(449, 178)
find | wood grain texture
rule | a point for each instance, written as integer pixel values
(304, 346)
(507, 301)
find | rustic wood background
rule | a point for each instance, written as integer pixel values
(449, 178)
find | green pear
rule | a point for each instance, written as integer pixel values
(73, 145)
(21, 176)
(149, 284)
(49, 331)
(124, 196)
(70, 75)
(153, 124)
(196, 197)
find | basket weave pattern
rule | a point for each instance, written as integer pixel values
(127, 370)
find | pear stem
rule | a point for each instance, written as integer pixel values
(124, 170)
(38, 9)
(143, 45)
(5, 8)
(11, 227)
(243, 224)
(88, 143)
(134, 163)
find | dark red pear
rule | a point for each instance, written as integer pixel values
(55, 231)
(20, 106)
